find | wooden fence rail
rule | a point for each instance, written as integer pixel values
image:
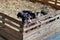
(37, 28)
(11, 28)
(38, 25)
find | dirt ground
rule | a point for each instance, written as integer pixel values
(15, 6)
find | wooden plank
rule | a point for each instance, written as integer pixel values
(9, 27)
(33, 26)
(7, 36)
(10, 18)
(8, 22)
(42, 22)
(28, 34)
(49, 19)
(12, 30)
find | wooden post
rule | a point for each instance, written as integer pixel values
(21, 31)
(3, 19)
(55, 2)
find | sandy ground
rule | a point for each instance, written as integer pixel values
(47, 30)
(15, 6)
(12, 7)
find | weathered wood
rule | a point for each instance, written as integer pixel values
(21, 31)
(46, 3)
(10, 18)
(8, 22)
(9, 29)
(42, 22)
(7, 35)
(3, 20)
